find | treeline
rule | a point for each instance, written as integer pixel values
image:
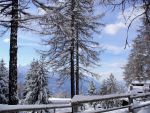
(34, 89)
(108, 86)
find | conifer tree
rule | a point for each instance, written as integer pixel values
(92, 88)
(36, 84)
(13, 15)
(109, 86)
(103, 89)
(138, 64)
(9, 20)
(3, 83)
(71, 27)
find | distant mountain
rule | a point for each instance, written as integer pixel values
(54, 84)
(22, 70)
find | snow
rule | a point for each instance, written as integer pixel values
(89, 108)
(137, 89)
(142, 82)
(4, 108)
(145, 110)
(141, 110)
(64, 105)
(119, 111)
(3, 83)
(81, 98)
(36, 83)
(140, 87)
(59, 100)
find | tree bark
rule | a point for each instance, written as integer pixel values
(13, 55)
(72, 70)
(72, 49)
(77, 63)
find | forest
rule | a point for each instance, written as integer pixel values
(69, 50)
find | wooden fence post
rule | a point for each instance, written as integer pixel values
(130, 103)
(54, 110)
(74, 108)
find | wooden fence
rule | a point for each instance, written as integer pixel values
(77, 101)
(17, 108)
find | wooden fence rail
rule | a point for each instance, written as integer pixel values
(16, 108)
(77, 101)
(84, 99)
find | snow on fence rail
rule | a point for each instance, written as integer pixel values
(84, 99)
(77, 101)
(16, 108)
(106, 110)
(140, 95)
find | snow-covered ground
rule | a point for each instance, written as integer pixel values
(143, 109)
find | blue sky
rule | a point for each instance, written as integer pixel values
(112, 39)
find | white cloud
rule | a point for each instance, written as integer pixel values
(106, 74)
(114, 67)
(114, 64)
(123, 20)
(112, 29)
(6, 40)
(115, 49)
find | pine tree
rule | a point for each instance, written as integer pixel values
(3, 83)
(12, 17)
(109, 86)
(92, 88)
(128, 75)
(103, 89)
(36, 84)
(71, 27)
(138, 64)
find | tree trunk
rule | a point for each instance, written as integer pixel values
(72, 69)
(72, 49)
(13, 55)
(77, 63)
